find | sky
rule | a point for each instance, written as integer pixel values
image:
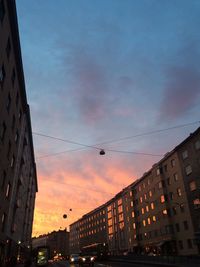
(105, 74)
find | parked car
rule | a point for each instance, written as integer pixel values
(74, 258)
(86, 260)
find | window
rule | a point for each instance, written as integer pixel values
(3, 179)
(197, 144)
(168, 181)
(152, 206)
(139, 188)
(192, 186)
(189, 242)
(140, 199)
(185, 154)
(149, 221)
(185, 224)
(2, 11)
(13, 76)
(179, 192)
(171, 195)
(180, 244)
(142, 210)
(154, 218)
(133, 214)
(175, 177)
(196, 203)
(8, 103)
(2, 74)
(9, 149)
(150, 193)
(165, 168)
(173, 162)
(144, 223)
(2, 131)
(3, 222)
(8, 190)
(164, 212)
(147, 208)
(160, 185)
(158, 171)
(134, 226)
(177, 227)
(12, 162)
(131, 203)
(8, 48)
(162, 199)
(188, 169)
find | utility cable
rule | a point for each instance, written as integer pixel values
(111, 141)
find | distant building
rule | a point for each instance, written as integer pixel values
(57, 241)
(160, 212)
(18, 179)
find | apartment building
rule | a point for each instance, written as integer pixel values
(18, 180)
(160, 212)
(57, 241)
(90, 229)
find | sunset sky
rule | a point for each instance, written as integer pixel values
(100, 74)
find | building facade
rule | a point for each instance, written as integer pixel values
(18, 179)
(158, 213)
(57, 241)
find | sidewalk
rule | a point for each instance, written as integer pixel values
(158, 262)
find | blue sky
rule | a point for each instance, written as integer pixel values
(98, 70)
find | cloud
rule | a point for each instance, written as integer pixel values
(183, 84)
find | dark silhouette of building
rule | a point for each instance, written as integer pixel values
(57, 241)
(158, 213)
(18, 179)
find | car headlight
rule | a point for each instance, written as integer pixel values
(92, 258)
(83, 259)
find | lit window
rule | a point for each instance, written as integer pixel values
(134, 226)
(145, 196)
(188, 169)
(152, 206)
(140, 199)
(196, 203)
(192, 186)
(144, 223)
(154, 218)
(139, 188)
(133, 214)
(130, 193)
(185, 154)
(197, 144)
(179, 192)
(150, 193)
(149, 221)
(147, 208)
(142, 210)
(164, 212)
(162, 198)
(175, 177)
(131, 203)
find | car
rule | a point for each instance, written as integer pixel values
(74, 258)
(86, 260)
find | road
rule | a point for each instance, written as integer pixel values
(98, 264)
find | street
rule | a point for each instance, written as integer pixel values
(98, 264)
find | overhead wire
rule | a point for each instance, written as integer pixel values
(96, 146)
